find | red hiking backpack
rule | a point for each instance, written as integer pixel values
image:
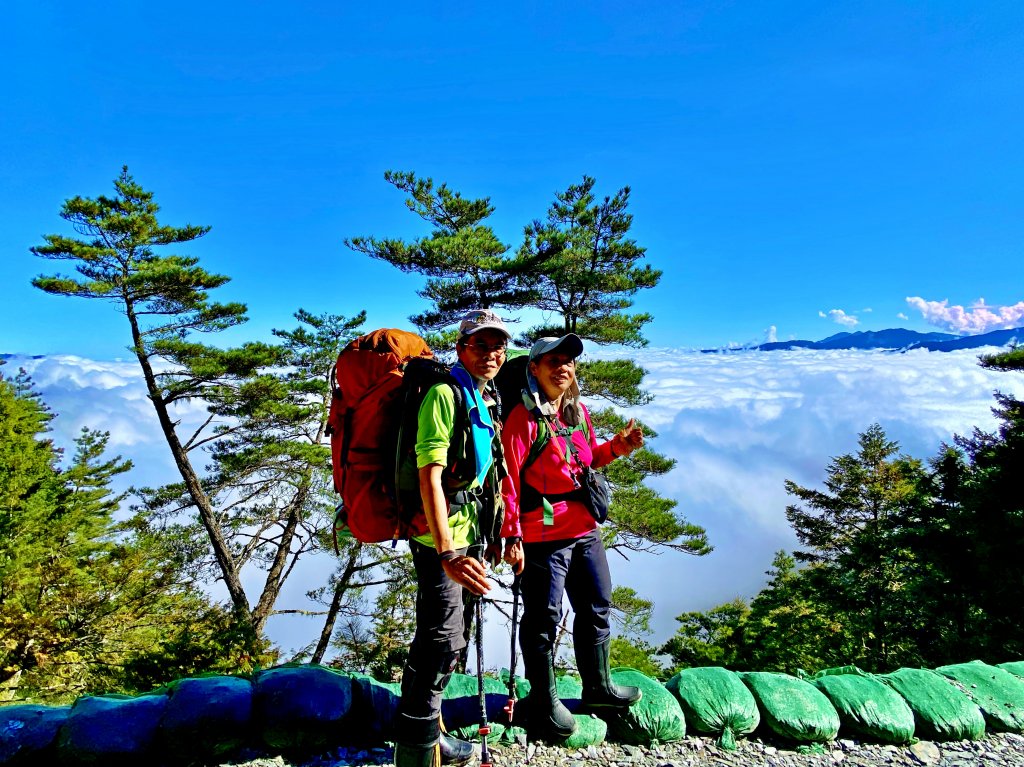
(379, 382)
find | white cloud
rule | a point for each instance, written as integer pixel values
(840, 317)
(738, 425)
(902, 316)
(980, 318)
(771, 335)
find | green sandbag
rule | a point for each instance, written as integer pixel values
(370, 721)
(998, 693)
(471, 732)
(299, 707)
(715, 702)
(206, 717)
(655, 718)
(570, 691)
(792, 708)
(460, 703)
(590, 731)
(522, 686)
(941, 711)
(867, 707)
(1015, 667)
(110, 730)
(28, 734)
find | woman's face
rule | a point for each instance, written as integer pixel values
(554, 372)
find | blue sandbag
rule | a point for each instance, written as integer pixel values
(374, 706)
(300, 708)
(110, 730)
(28, 734)
(207, 717)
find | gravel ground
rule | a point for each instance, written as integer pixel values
(1003, 750)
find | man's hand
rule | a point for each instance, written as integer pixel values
(514, 555)
(467, 572)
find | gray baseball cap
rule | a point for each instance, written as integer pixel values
(570, 344)
(482, 319)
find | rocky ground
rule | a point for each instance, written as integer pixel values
(1003, 750)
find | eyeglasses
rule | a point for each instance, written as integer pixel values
(481, 348)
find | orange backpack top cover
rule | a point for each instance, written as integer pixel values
(364, 422)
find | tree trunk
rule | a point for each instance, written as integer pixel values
(221, 551)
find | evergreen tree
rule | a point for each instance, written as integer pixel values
(378, 642)
(83, 601)
(580, 264)
(270, 471)
(164, 298)
(709, 638)
(465, 263)
(587, 267)
(632, 615)
(977, 521)
(264, 499)
(1011, 360)
(853, 529)
(788, 628)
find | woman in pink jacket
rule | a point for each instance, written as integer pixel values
(560, 538)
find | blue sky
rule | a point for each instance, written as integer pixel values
(787, 159)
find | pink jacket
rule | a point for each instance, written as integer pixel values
(548, 474)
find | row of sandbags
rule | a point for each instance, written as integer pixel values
(309, 709)
(955, 702)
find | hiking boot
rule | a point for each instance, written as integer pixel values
(417, 756)
(417, 741)
(546, 717)
(454, 750)
(599, 691)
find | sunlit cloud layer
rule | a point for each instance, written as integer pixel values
(980, 318)
(738, 425)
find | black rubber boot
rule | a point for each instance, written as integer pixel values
(546, 717)
(454, 750)
(420, 742)
(599, 691)
(418, 723)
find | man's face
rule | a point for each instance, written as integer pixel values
(482, 354)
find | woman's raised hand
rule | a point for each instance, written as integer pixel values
(628, 439)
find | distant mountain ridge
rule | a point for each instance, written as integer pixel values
(894, 339)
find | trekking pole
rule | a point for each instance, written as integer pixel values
(485, 756)
(512, 691)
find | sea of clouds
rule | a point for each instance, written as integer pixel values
(738, 425)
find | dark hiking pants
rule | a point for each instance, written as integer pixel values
(577, 567)
(440, 636)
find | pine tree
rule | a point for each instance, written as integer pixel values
(465, 263)
(586, 270)
(164, 299)
(854, 529)
(83, 600)
(711, 638)
(789, 628)
(269, 473)
(587, 267)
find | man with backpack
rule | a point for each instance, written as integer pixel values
(460, 465)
